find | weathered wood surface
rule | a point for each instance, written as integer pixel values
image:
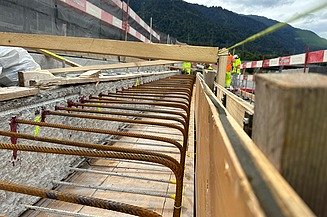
(7, 93)
(111, 47)
(33, 78)
(235, 105)
(230, 182)
(290, 126)
(220, 180)
(248, 95)
(111, 66)
(222, 65)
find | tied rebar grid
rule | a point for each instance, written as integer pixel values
(168, 98)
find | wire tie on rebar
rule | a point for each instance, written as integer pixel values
(173, 196)
(178, 207)
(173, 181)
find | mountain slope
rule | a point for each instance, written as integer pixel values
(199, 25)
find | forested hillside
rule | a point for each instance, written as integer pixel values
(214, 26)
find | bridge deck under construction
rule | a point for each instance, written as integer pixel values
(140, 166)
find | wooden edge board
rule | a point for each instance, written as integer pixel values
(111, 66)
(226, 177)
(284, 195)
(7, 93)
(251, 96)
(111, 47)
(78, 80)
(247, 106)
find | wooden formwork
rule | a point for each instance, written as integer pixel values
(233, 177)
(234, 104)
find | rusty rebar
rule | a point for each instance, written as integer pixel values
(123, 114)
(172, 105)
(94, 105)
(154, 95)
(108, 96)
(83, 144)
(104, 154)
(123, 120)
(75, 198)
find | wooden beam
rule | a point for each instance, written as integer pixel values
(230, 168)
(111, 66)
(111, 47)
(290, 126)
(24, 78)
(55, 81)
(7, 93)
(221, 76)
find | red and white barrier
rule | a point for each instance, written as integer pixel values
(134, 16)
(319, 56)
(91, 9)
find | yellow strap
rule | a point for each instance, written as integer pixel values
(37, 128)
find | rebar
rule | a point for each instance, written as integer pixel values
(88, 200)
(124, 120)
(122, 114)
(85, 145)
(174, 94)
(109, 96)
(108, 132)
(94, 105)
(172, 105)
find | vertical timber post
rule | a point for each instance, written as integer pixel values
(290, 126)
(222, 64)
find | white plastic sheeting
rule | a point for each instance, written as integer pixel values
(12, 61)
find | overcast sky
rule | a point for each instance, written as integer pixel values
(280, 10)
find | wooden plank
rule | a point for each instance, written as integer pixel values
(34, 80)
(220, 180)
(24, 78)
(112, 66)
(88, 74)
(7, 93)
(223, 58)
(290, 126)
(58, 57)
(226, 183)
(248, 95)
(235, 105)
(111, 47)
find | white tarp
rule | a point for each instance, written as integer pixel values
(12, 61)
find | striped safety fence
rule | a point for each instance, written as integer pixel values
(319, 56)
(92, 10)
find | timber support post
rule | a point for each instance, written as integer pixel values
(290, 126)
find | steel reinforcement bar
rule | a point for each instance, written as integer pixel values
(95, 105)
(179, 87)
(89, 200)
(142, 115)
